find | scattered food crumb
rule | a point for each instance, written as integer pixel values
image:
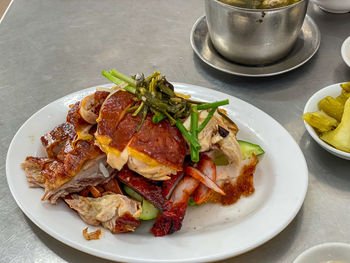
(93, 235)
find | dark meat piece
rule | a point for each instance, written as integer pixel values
(125, 223)
(171, 220)
(173, 210)
(144, 187)
(112, 186)
(169, 185)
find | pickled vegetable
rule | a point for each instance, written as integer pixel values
(345, 86)
(321, 121)
(340, 137)
(332, 107)
(343, 97)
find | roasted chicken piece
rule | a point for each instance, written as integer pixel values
(116, 212)
(236, 178)
(33, 169)
(51, 175)
(155, 151)
(57, 138)
(82, 115)
(81, 127)
(218, 134)
(111, 114)
(72, 164)
(90, 106)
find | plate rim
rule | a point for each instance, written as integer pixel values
(344, 47)
(209, 63)
(114, 257)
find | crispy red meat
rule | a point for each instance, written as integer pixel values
(169, 185)
(148, 189)
(55, 139)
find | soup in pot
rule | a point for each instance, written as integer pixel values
(259, 4)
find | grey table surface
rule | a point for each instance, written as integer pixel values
(52, 48)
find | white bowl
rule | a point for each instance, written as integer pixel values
(327, 252)
(334, 6)
(345, 51)
(311, 106)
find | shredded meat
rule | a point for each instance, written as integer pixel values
(115, 212)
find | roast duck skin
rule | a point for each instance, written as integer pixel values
(72, 163)
(156, 151)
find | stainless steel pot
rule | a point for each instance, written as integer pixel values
(254, 36)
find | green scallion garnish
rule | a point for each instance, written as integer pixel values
(154, 93)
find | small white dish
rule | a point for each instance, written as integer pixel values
(311, 106)
(334, 6)
(345, 51)
(326, 253)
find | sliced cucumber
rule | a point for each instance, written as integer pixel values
(249, 148)
(221, 160)
(149, 211)
(132, 193)
(191, 202)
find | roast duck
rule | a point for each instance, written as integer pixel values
(100, 148)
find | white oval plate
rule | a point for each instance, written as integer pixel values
(210, 232)
(311, 106)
